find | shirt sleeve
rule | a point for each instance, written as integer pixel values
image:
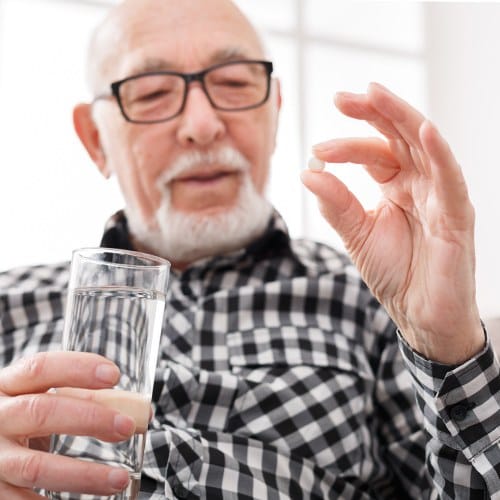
(461, 409)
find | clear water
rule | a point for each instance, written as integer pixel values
(124, 325)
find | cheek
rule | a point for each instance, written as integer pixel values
(257, 145)
(137, 168)
(145, 178)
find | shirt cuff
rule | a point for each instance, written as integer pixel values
(461, 403)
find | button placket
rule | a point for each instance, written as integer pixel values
(460, 411)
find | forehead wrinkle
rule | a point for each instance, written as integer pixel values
(111, 39)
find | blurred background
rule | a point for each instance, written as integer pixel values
(442, 57)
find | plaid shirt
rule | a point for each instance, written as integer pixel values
(280, 376)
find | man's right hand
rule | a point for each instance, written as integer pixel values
(29, 415)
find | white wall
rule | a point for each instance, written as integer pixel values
(463, 50)
(40, 158)
(52, 198)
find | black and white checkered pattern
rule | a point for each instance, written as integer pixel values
(462, 409)
(281, 377)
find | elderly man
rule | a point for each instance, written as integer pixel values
(280, 375)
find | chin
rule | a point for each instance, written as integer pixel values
(189, 236)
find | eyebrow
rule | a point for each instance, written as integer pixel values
(220, 56)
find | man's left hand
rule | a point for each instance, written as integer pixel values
(415, 250)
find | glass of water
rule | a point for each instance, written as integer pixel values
(115, 307)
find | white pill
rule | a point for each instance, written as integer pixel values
(316, 164)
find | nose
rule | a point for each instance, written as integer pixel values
(200, 124)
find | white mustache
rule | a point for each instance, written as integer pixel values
(227, 156)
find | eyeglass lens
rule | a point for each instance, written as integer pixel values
(159, 96)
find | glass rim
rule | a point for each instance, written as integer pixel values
(155, 262)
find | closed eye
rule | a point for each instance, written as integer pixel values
(153, 95)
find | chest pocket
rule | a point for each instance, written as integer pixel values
(302, 389)
(290, 346)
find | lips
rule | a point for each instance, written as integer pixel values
(205, 189)
(205, 176)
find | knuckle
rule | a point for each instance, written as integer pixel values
(94, 417)
(36, 409)
(33, 366)
(30, 469)
(21, 469)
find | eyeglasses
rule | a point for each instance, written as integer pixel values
(161, 95)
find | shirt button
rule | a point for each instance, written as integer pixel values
(180, 491)
(459, 412)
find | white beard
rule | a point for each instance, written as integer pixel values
(186, 237)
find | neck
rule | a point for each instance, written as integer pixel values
(141, 247)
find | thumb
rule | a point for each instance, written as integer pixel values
(337, 204)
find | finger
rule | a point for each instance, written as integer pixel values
(43, 414)
(14, 493)
(338, 205)
(358, 106)
(133, 404)
(33, 469)
(407, 150)
(410, 159)
(44, 370)
(372, 152)
(403, 117)
(449, 182)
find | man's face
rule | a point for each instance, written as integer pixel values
(185, 37)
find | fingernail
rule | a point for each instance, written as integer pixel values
(107, 373)
(321, 146)
(118, 479)
(124, 425)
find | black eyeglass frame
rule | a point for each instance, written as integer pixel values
(198, 76)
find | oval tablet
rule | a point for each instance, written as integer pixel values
(316, 164)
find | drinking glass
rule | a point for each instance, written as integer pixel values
(115, 307)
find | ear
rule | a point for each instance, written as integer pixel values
(278, 93)
(88, 133)
(276, 96)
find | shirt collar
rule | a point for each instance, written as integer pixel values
(274, 241)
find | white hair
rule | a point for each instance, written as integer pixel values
(186, 237)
